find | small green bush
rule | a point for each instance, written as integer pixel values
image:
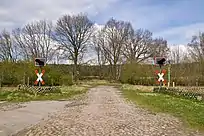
(66, 80)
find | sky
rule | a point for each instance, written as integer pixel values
(174, 20)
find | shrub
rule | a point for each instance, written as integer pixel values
(66, 80)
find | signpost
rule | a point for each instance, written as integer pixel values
(161, 62)
(161, 79)
(40, 62)
(39, 79)
(169, 74)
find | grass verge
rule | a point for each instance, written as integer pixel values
(94, 83)
(190, 112)
(65, 93)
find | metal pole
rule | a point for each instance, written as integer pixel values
(169, 74)
(40, 73)
(160, 81)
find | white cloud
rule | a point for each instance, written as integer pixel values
(171, 18)
(181, 35)
(16, 13)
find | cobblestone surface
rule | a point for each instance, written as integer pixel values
(105, 113)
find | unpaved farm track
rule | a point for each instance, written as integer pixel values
(105, 113)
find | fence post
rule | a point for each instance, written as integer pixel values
(173, 84)
(52, 81)
(28, 81)
(169, 74)
(2, 78)
(196, 82)
(24, 80)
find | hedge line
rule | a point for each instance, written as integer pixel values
(13, 74)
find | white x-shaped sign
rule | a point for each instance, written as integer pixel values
(40, 77)
(161, 77)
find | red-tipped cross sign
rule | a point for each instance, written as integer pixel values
(39, 77)
(161, 75)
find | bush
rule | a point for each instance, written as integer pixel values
(137, 74)
(13, 74)
(66, 80)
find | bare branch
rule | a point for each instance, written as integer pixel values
(196, 47)
(35, 40)
(115, 34)
(73, 34)
(138, 46)
(8, 52)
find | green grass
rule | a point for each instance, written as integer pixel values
(66, 93)
(94, 83)
(190, 112)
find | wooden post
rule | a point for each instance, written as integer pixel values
(24, 79)
(1, 84)
(168, 84)
(169, 74)
(28, 81)
(196, 82)
(52, 81)
(173, 84)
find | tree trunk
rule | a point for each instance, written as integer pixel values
(75, 69)
(115, 72)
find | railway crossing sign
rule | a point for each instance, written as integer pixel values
(160, 61)
(161, 76)
(39, 75)
(40, 62)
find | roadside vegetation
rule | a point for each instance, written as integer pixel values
(62, 93)
(12, 94)
(189, 111)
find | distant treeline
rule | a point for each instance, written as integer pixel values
(12, 74)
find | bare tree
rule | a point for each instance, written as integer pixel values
(35, 40)
(98, 44)
(73, 34)
(138, 47)
(8, 51)
(175, 54)
(196, 47)
(159, 47)
(115, 34)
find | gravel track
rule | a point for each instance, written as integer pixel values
(105, 113)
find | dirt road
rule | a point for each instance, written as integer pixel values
(104, 112)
